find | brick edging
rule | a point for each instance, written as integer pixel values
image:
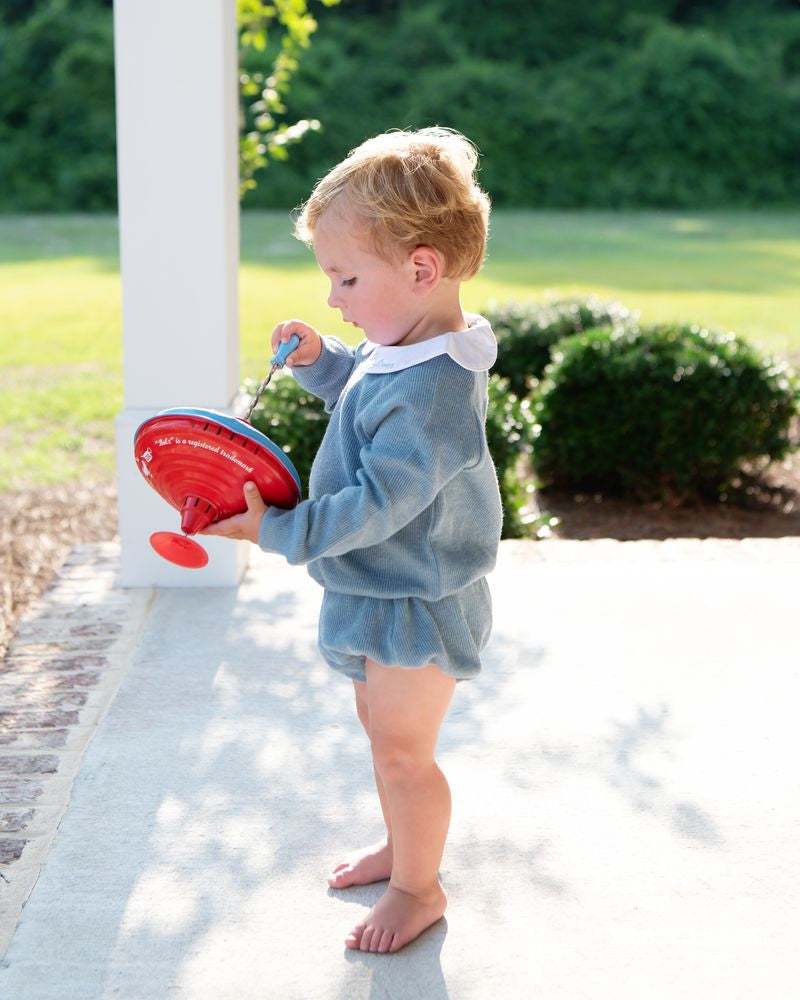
(60, 674)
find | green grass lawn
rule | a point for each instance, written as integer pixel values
(60, 328)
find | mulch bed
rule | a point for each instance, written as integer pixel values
(765, 505)
(39, 527)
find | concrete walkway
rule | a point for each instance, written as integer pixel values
(624, 777)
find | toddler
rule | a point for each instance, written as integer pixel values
(403, 518)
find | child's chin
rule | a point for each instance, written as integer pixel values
(383, 339)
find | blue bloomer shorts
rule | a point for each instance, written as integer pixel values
(406, 632)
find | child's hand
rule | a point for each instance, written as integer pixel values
(241, 526)
(310, 342)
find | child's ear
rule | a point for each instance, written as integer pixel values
(427, 266)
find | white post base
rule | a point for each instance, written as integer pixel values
(142, 511)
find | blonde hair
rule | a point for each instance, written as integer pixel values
(409, 189)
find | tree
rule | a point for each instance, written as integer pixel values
(262, 135)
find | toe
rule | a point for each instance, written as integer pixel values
(354, 938)
(338, 876)
(366, 939)
(385, 942)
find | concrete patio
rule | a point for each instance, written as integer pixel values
(624, 777)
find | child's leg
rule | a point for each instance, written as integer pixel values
(372, 863)
(406, 710)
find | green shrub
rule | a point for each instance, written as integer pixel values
(526, 332)
(295, 420)
(659, 412)
(509, 433)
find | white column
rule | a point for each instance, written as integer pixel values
(177, 155)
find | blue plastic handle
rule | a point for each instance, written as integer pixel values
(285, 350)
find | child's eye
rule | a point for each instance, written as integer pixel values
(347, 282)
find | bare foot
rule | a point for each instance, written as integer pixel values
(370, 864)
(397, 918)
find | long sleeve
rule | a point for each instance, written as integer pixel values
(427, 434)
(329, 374)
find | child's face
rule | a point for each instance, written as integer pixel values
(373, 294)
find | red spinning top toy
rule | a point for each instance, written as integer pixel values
(199, 460)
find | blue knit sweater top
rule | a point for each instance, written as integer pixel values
(403, 495)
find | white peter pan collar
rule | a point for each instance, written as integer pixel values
(474, 349)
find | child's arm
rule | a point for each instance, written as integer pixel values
(422, 443)
(430, 434)
(322, 365)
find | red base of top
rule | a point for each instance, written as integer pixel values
(179, 549)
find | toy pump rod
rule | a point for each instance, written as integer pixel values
(278, 361)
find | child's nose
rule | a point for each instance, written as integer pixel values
(333, 299)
